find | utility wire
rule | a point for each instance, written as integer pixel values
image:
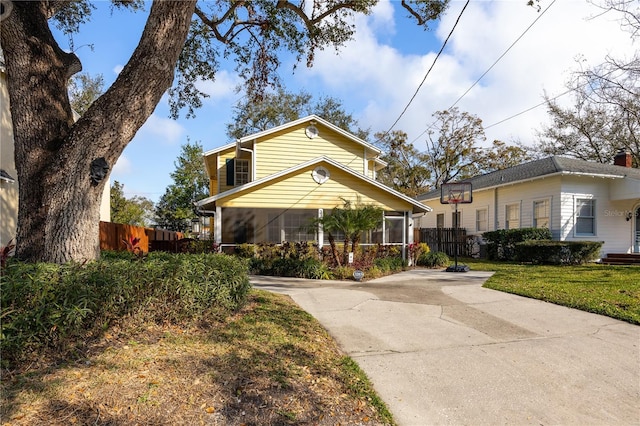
(489, 69)
(428, 71)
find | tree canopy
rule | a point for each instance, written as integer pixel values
(175, 209)
(280, 107)
(63, 165)
(136, 210)
(605, 115)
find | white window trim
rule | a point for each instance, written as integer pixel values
(506, 214)
(533, 212)
(486, 219)
(589, 197)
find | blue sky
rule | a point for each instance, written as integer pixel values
(376, 74)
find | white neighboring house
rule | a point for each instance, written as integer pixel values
(577, 200)
(9, 176)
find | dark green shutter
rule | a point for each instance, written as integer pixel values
(231, 171)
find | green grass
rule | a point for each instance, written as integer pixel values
(608, 290)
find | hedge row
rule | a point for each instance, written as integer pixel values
(558, 252)
(55, 306)
(501, 244)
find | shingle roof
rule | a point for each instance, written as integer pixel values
(543, 167)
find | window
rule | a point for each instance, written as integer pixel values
(541, 214)
(585, 217)
(456, 219)
(512, 216)
(482, 216)
(242, 171)
(440, 220)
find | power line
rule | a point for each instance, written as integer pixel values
(428, 71)
(489, 69)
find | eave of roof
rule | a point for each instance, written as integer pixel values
(295, 123)
(248, 186)
(543, 168)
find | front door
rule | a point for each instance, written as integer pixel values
(636, 230)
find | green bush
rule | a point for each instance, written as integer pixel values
(501, 243)
(558, 252)
(390, 264)
(60, 306)
(434, 259)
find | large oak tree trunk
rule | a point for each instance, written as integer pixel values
(59, 202)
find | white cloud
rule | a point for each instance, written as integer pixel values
(164, 130)
(222, 88)
(381, 79)
(122, 167)
(118, 69)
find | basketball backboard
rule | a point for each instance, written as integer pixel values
(456, 193)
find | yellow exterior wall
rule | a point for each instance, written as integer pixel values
(300, 191)
(280, 151)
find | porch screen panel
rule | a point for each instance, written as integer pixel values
(296, 224)
(394, 230)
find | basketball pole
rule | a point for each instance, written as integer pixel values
(456, 268)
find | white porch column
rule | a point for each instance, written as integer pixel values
(217, 226)
(320, 229)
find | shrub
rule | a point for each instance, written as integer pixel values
(390, 264)
(501, 243)
(557, 252)
(343, 272)
(434, 259)
(61, 306)
(416, 250)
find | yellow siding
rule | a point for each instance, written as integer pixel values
(300, 191)
(286, 149)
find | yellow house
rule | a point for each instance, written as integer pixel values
(267, 187)
(8, 174)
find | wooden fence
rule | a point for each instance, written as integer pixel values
(112, 235)
(444, 240)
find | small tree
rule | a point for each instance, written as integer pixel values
(136, 210)
(350, 220)
(175, 208)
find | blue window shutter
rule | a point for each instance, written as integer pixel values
(231, 171)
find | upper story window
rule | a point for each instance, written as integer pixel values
(541, 214)
(242, 171)
(237, 171)
(512, 216)
(585, 217)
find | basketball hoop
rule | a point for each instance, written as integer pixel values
(454, 194)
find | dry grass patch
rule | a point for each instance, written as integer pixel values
(269, 364)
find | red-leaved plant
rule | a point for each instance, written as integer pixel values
(133, 246)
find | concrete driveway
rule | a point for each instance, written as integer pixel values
(440, 349)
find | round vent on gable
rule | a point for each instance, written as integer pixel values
(320, 174)
(311, 131)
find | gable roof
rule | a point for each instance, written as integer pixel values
(416, 204)
(307, 119)
(544, 167)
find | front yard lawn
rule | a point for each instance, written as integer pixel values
(608, 290)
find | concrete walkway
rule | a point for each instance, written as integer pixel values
(440, 349)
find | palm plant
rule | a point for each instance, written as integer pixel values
(350, 220)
